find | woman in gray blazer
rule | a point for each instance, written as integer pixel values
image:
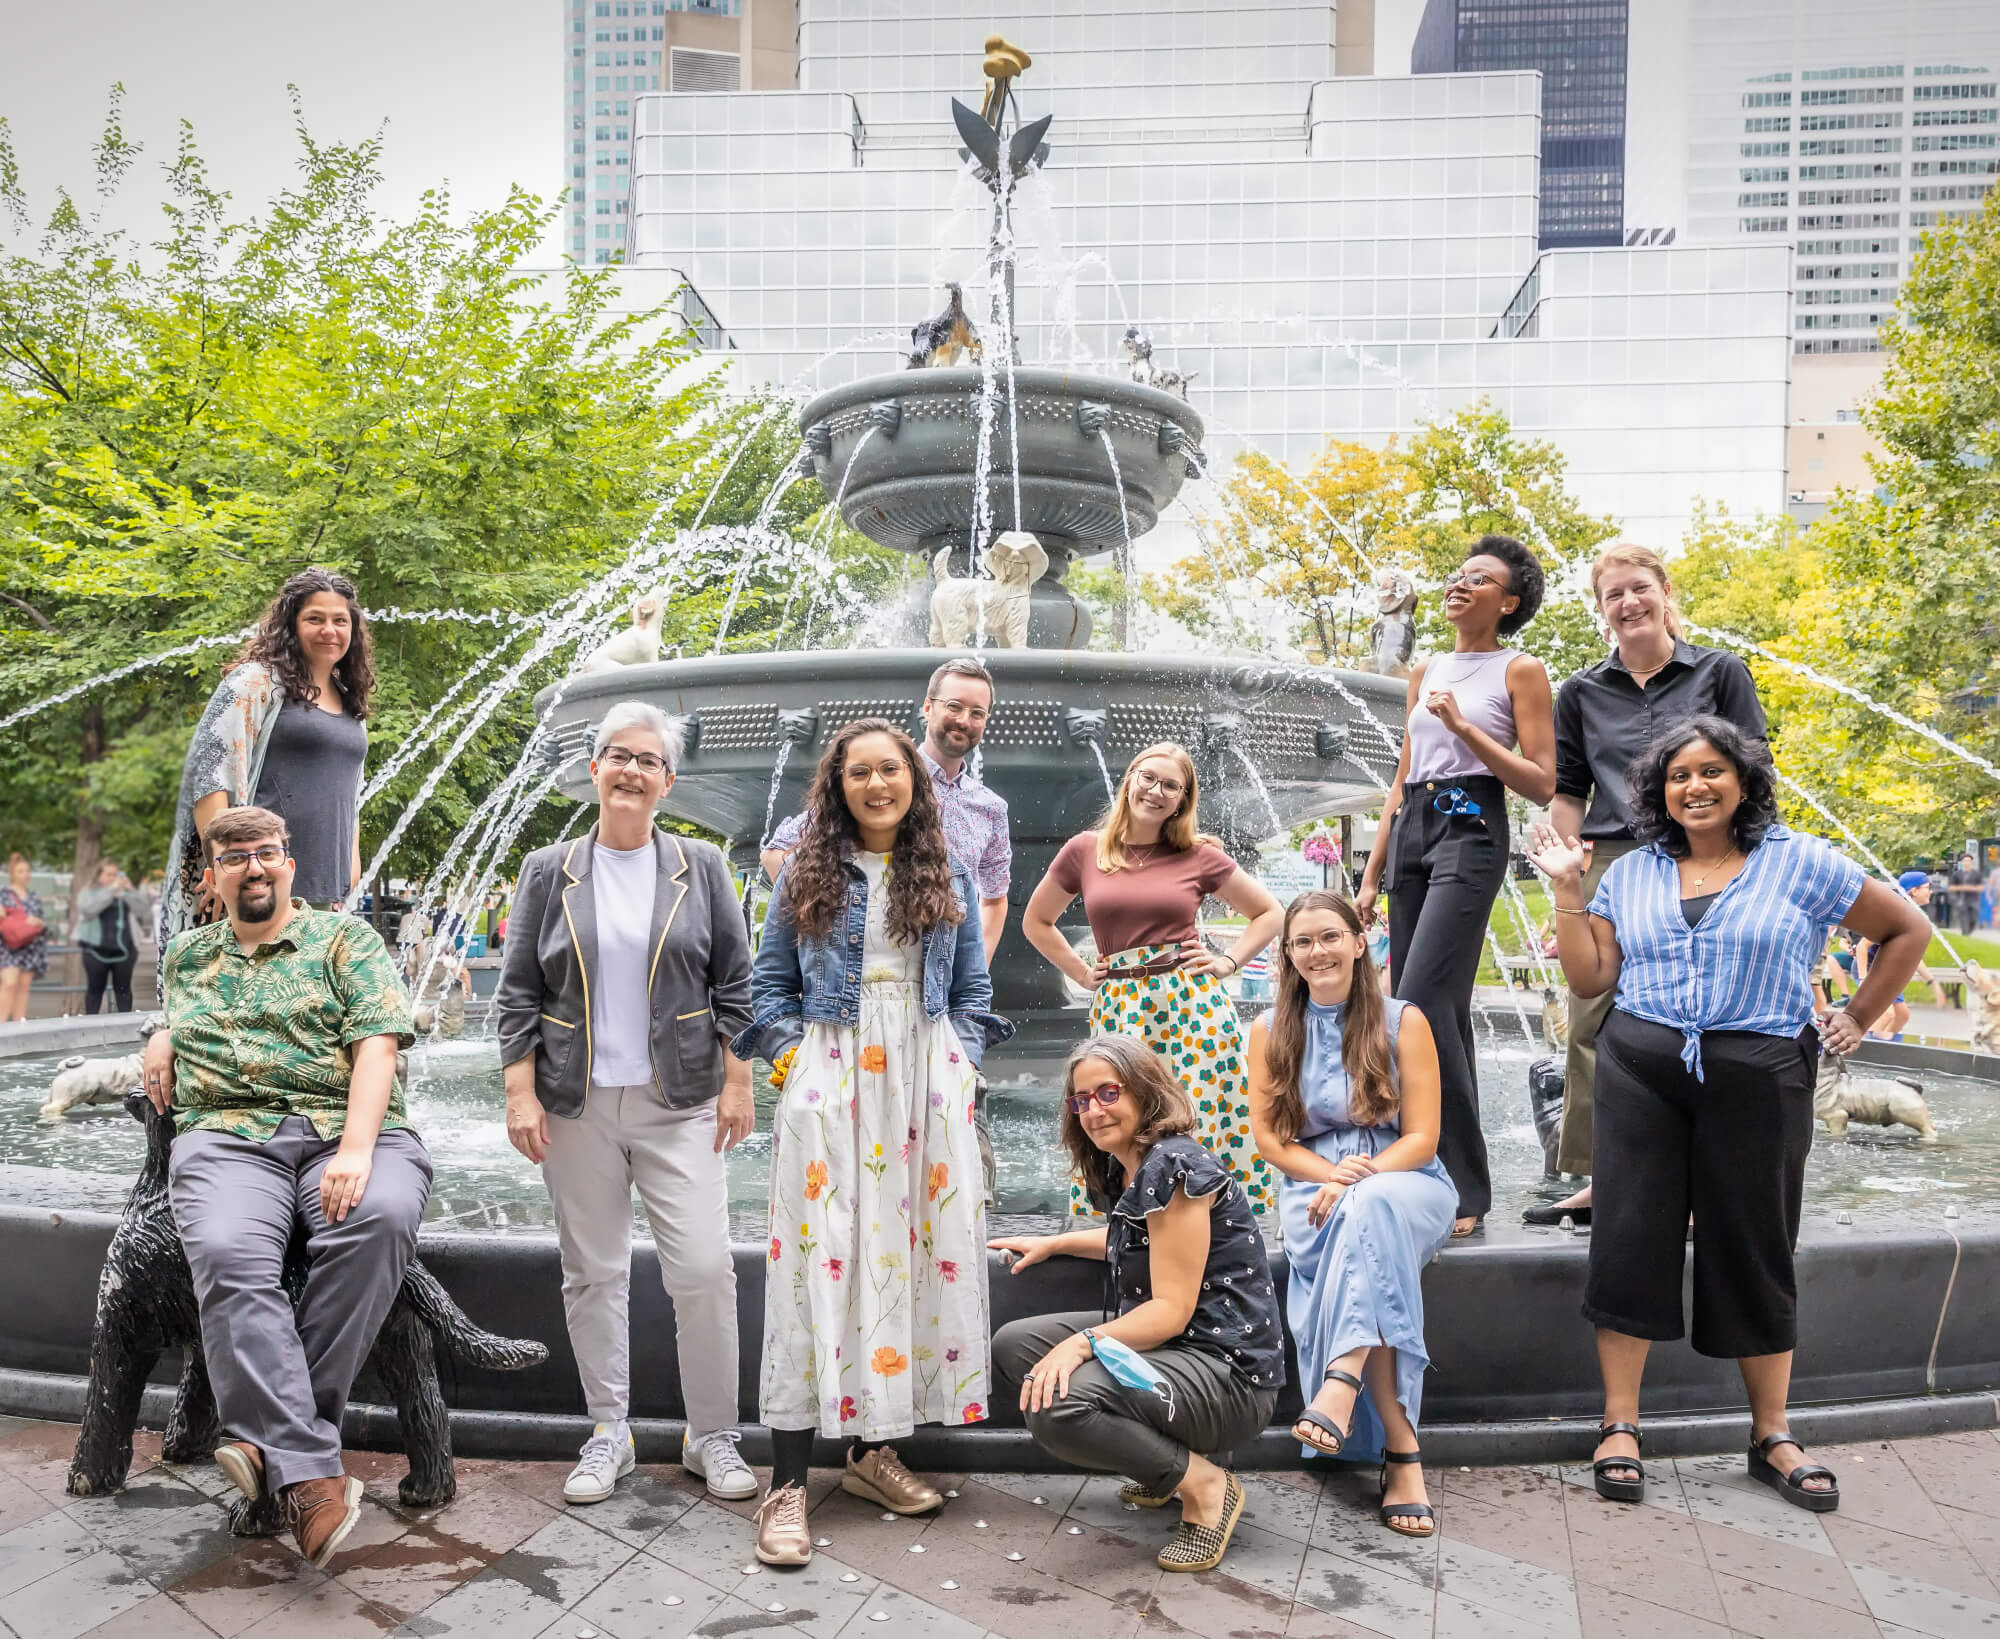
(626, 973)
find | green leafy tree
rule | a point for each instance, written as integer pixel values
(186, 422)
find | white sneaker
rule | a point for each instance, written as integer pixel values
(606, 1459)
(715, 1458)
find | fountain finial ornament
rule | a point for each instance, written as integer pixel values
(1003, 62)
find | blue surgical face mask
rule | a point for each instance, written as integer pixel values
(1132, 1368)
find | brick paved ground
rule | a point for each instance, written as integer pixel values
(1915, 1550)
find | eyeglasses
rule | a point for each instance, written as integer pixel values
(1149, 782)
(271, 855)
(1305, 944)
(616, 757)
(1107, 1095)
(1455, 801)
(861, 773)
(1473, 579)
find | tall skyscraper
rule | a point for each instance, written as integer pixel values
(1846, 129)
(616, 49)
(1579, 47)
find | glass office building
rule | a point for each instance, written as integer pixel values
(1329, 257)
(1845, 130)
(1579, 48)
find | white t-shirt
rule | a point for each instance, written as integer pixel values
(622, 883)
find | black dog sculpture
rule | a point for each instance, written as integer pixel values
(146, 1304)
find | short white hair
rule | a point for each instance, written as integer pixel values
(637, 714)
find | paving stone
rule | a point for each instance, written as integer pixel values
(1601, 1528)
(327, 1612)
(562, 1561)
(1664, 1494)
(1980, 1536)
(487, 1522)
(1778, 1565)
(490, 1606)
(76, 1598)
(631, 1603)
(1461, 1619)
(1012, 1523)
(413, 1572)
(1346, 1525)
(39, 1455)
(41, 1548)
(21, 1502)
(1215, 1605)
(1532, 1536)
(1925, 1607)
(1956, 1470)
(1057, 1491)
(1514, 1587)
(1014, 1600)
(1526, 1488)
(1719, 1492)
(1948, 1564)
(1609, 1613)
(816, 1601)
(908, 1617)
(1767, 1613)
(643, 1506)
(715, 1546)
(1877, 1488)
(164, 1530)
(1370, 1596)
(1119, 1565)
(1272, 1503)
(159, 1617)
(263, 1575)
(1264, 1560)
(1671, 1580)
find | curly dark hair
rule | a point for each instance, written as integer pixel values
(1647, 780)
(815, 877)
(275, 644)
(1165, 1110)
(1524, 577)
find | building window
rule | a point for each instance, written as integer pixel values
(1953, 93)
(604, 207)
(1871, 93)
(1755, 201)
(1764, 224)
(604, 59)
(1767, 99)
(1766, 173)
(1954, 116)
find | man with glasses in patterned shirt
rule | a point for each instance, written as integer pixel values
(279, 1065)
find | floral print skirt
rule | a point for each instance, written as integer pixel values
(875, 1301)
(1189, 1020)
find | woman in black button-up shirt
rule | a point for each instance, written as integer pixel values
(1188, 1281)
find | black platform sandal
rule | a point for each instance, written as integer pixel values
(1393, 1511)
(1612, 1490)
(1310, 1419)
(1792, 1486)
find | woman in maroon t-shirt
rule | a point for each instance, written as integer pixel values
(1143, 876)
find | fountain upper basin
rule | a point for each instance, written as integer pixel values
(912, 486)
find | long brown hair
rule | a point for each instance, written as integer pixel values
(920, 894)
(1372, 1095)
(1631, 555)
(275, 643)
(1179, 833)
(1164, 1107)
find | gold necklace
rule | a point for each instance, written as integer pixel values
(1705, 875)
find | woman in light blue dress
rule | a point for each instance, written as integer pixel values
(1344, 1103)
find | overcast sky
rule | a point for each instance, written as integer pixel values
(469, 91)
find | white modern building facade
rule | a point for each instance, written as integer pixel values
(1330, 256)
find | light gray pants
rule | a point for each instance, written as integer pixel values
(1105, 1426)
(281, 1379)
(628, 1136)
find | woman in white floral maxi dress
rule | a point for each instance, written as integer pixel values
(875, 1311)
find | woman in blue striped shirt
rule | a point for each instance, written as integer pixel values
(1705, 1071)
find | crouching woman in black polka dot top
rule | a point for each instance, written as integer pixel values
(1184, 1361)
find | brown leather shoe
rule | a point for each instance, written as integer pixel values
(242, 1464)
(321, 1513)
(782, 1537)
(880, 1476)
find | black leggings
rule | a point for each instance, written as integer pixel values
(1731, 1149)
(97, 973)
(1445, 871)
(791, 1454)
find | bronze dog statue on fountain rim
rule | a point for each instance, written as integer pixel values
(146, 1305)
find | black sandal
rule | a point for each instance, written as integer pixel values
(1325, 1424)
(1612, 1490)
(1393, 1511)
(1792, 1486)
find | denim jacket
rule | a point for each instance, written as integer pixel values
(796, 981)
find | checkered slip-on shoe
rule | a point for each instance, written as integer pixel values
(1139, 1497)
(1201, 1547)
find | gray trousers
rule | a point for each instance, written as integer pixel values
(1586, 1018)
(1109, 1428)
(281, 1379)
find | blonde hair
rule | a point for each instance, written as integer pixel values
(1178, 834)
(1631, 555)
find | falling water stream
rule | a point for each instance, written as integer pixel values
(1125, 561)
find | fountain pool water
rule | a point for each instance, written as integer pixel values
(87, 1161)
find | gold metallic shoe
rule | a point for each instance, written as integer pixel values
(881, 1478)
(782, 1537)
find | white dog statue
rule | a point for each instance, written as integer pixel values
(1840, 1096)
(1016, 561)
(1985, 988)
(82, 1080)
(637, 645)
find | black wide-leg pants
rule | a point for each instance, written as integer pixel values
(1445, 871)
(1731, 1149)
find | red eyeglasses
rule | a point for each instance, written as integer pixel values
(1106, 1095)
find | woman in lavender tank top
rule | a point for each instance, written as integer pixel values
(1481, 724)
